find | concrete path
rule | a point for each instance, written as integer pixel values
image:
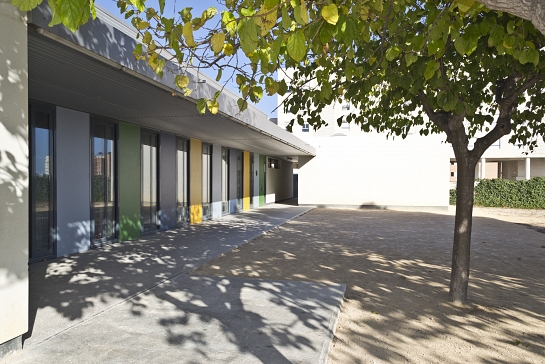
(131, 302)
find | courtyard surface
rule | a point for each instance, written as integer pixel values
(396, 267)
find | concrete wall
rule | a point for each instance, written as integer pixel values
(167, 181)
(129, 181)
(369, 170)
(279, 182)
(73, 181)
(14, 169)
(195, 181)
(216, 181)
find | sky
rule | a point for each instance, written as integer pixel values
(267, 103)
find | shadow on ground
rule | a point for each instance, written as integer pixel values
(134, 297)
(396, 266)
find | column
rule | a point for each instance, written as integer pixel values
(14, 176)
(527, 169)
(483, 168)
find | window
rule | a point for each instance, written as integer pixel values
(148, 207)
(206, 181)
(103, 182)
(42, 183)
(274, 163)
(182, 210)
(252, 180)
(240, 191)
(306, 128)
(224, 180)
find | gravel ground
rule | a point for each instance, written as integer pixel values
(396, 265)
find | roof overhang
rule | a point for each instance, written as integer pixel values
(94, 71)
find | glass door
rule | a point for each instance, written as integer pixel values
(224, 180)
(181, 182)
(148, 207)
(42, 184)
(103, 183)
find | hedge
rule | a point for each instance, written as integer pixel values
(500, 192)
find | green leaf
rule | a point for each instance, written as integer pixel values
(330, 13)
(461, 45)
(229, 22)
(26, 5)
(286, 20)
(146, 38)
(270, 4)
(248, 35)
(181, 81)
(297, 46)
(216, 41)
(220, 72)
(431, 67)
(510, 27)
(410, 58)
(139, 4)
(201, 106)
(301, 13)
(186, 14)
(188, 35)
(242, 104)
(213, 106)
(392, 53)
(161, 6)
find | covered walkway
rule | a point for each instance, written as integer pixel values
(132, 302)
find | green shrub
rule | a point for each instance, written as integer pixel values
(499, 192)
(452, 198)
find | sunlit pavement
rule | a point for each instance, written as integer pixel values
(133, 302)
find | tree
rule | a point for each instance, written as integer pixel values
(455, 68)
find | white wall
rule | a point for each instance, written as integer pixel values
(73, 181)
(14, 167)
(279, 182)
(368, 170)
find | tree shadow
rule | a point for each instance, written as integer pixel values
(68, 291)
(396, 266)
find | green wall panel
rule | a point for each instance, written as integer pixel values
(129, 181)
(262, 180)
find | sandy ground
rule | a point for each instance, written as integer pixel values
(396, 265)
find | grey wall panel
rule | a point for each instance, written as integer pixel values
(216, 181)
(167, 181)
(73, 181)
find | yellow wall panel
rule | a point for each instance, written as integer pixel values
(195, 181)
(246, 181)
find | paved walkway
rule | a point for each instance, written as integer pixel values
(132, 302)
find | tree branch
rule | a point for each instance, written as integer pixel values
(532, 10)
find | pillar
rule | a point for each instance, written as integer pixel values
(483, 168)
(14, 178)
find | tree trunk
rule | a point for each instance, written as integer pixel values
(465, 187)
(533, 10)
